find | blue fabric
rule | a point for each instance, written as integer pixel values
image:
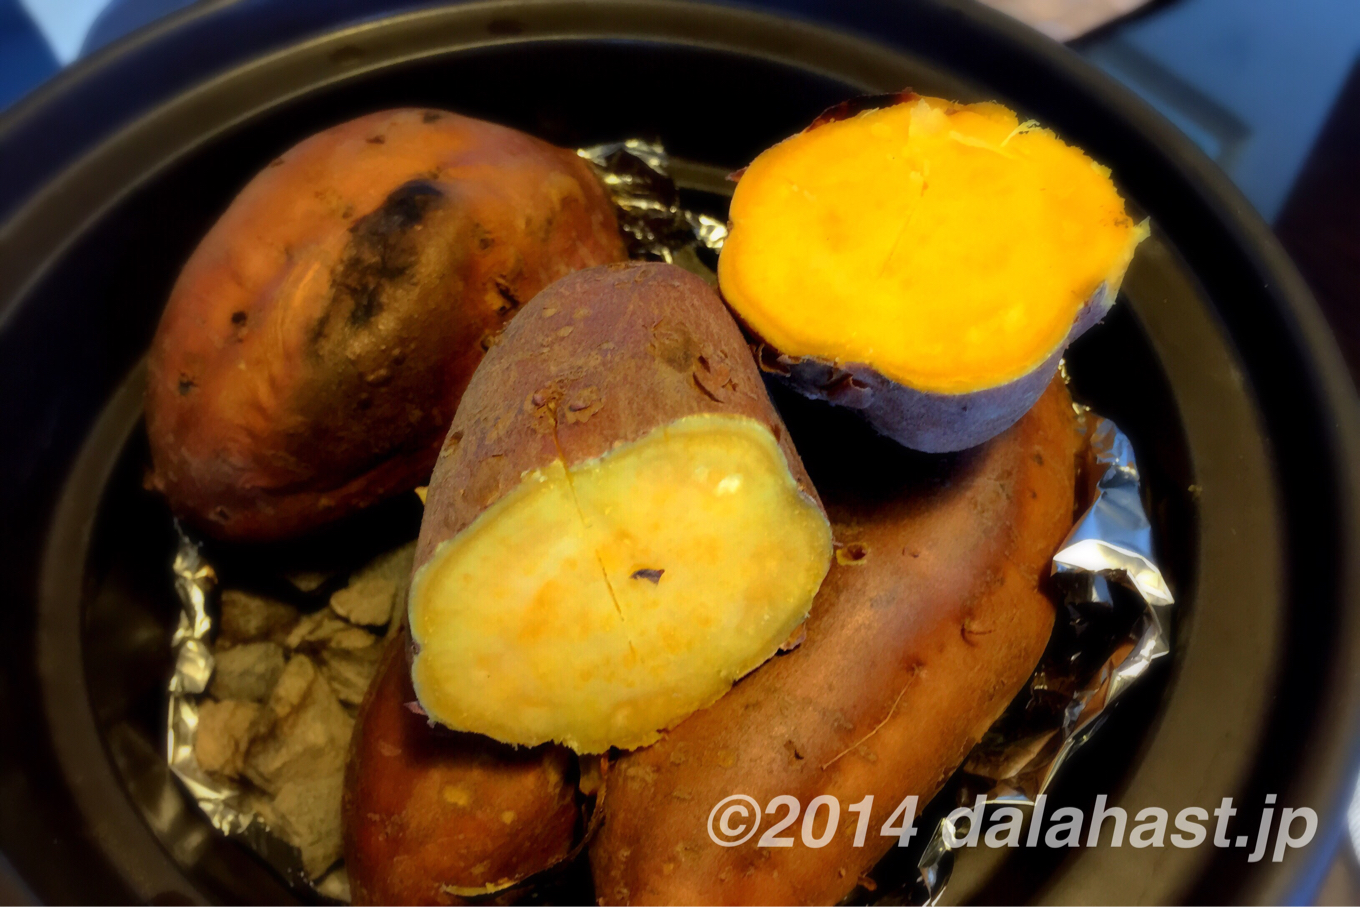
(123, 16)
(25, 59)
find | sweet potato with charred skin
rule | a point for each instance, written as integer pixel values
(924, 263)
(618, 527)
(318, 340)
(930, 621)
(434, 817)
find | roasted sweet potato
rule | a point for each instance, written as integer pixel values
(924, 263)
(931, 619)
(318, 340)
(618, 527)
(434, 817)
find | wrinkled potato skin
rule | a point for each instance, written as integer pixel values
(318, 340)
(911, 654)
(425, 808)
(597, 360)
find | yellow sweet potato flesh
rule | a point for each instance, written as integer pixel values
(949, 247)
(599, 604)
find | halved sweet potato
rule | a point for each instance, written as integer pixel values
(618, 527)
(434, 817)
(930, 621)
(318, 340)
(925, 263)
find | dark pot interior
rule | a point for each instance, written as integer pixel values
(1214, 364)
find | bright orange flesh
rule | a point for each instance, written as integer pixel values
(949, 247)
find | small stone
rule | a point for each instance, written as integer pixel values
(307, 813)
(247, 617)
(316, 629)
(350, 671)
(248, 671)
(308, 733)
(375, 589)
(225, 731)
(351, 638)
(335, 886)
(307, 580)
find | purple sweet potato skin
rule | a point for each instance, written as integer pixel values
(596, 360)
(929, 622)
(927, 421)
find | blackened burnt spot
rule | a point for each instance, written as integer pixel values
(431, 116)
(239, 319)
(383, 248)
(403, 209)
(377, 140)
(509, 301)
(186, 384)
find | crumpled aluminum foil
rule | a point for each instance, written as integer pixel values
(1112, 542)
(224, 804)
(636, 174)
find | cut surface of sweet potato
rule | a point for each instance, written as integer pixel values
(593, 604)
(948, 246)
(618, 526)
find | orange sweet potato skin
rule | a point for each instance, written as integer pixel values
(911, 653)
(318, 340)
(596, 360)
(428, 811)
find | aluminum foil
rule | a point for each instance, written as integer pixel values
(223, 803)
(636, 174)
(1109, 550)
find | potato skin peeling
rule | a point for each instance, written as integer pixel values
(925, 263)
(619, 527)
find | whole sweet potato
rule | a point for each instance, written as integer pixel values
(930, 621)
(618, 527)
(434, 817)
(318, 340)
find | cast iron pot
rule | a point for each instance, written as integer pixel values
(1217, 364)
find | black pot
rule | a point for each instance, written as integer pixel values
(1217, 365)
